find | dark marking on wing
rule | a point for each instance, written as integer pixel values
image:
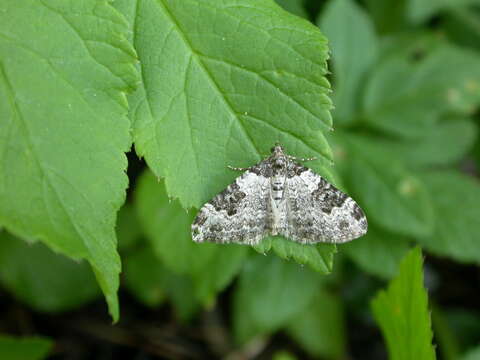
(358, 213)
(343, 225)
(295, 169)
(228, 199)
(264, 168)
(200, 218)
(328, 196)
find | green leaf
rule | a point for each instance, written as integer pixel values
(270, 292)
(444, 144)
(406, 98)
(378, 252)
(445, 336)
(320, 328)
(64, 69)
(354, 49)
(27, 348)
(420, 10)
(152, 283)
(389, 15)
(296, 7)
(128, 228)
(44, 280)
(167, 227)
(390, 195)
(472, 354)
(463, 26)
(457, 211)
(283, 355)
(220, 87)
(319, 257)
(402, 312)
(145, 276)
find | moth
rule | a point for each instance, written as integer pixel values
(279, 196)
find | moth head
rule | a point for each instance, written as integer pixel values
(277, 149)
(280, 162)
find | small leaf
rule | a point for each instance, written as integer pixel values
(390, 195)
(472, 354)
(145, 276)
(152, 283)
(444, 144)
(296, 7)
(221, 87)
(445, 336)
(319, 257)
(283, 355)
(389, 15)
(354, 49)
(26, 348)
(462, 25)
(64, 69)
(406, 98)
(402, 312)
(457, 211)
(419, 10)
(167, 227)
(378, 252)
(128, 228)
(44, 280)
(270, 292)
(320, 328)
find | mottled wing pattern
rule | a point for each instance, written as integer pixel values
(319, 212)
(238, 214)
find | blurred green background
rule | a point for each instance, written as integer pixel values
(405, 76)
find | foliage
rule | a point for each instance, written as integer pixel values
(402, 312)
(193, 86)
(28, 348)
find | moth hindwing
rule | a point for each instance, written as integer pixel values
(278, 196)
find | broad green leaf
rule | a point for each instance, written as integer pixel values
(283, 355)
(224, 266)
(378, 252)
(472, 354)
(128, 228)
(463, 26)
(354, 49)
(412, 45)
(465, 323)
(181, 292)
(457, 211)
(44, 280)
(26, 348)
(64, 70)
(420, 10)
(145, 276)
(445, 336)
(319, 257)
(406, 98)
(390, 195)
(152, 283)
(402, 312)
(296, 7)
(389, 15)
(444, 144)
(320, 328)
(167, 227)
(223, 80)
(269, 293)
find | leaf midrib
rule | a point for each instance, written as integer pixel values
(212, 81)
(45, 174)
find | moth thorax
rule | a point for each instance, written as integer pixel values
(278, 186)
